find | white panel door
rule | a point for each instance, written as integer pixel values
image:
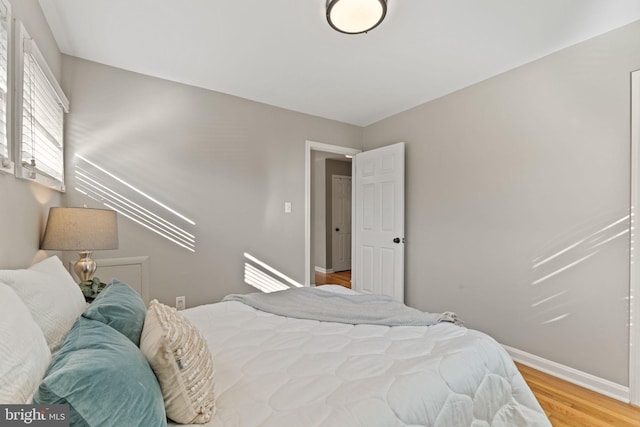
(378, 221)
(341, 223)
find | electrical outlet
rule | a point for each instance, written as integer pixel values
(180, 303)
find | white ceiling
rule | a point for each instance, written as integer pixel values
(283, 53)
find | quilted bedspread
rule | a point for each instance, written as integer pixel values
(275, 371)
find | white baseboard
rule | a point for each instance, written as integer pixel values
(583, 379)
(323, 270)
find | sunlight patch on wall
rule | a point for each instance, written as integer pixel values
(265, 278)
(566, 267)
(98, 183)
(542, 301)
(554, 300)
(556, 319)
(580, 250)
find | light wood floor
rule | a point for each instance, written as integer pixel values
(568, 405)
(342, 278)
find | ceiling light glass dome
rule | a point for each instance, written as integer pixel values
(355, 16)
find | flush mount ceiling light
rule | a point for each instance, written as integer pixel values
(355, 16)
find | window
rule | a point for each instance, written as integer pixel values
(40, 108)
(5, 29)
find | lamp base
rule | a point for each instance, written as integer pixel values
(85, 267)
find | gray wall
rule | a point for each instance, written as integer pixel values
(226, 163)
(517, 202)
(24, 206)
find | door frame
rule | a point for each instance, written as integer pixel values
(328, 148)
(634, 252)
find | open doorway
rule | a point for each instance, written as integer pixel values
(331, 218)
(326, 211)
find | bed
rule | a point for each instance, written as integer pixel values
(268, 369)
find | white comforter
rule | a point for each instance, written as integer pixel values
(278, 371)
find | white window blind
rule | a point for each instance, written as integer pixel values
(5, 29)
(40, 112)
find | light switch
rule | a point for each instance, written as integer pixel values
(287, 207)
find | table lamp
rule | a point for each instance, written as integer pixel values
(84, 230)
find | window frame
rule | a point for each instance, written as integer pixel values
(25, 45)
(6, 158)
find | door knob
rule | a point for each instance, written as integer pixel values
(396, 240)
(337, 229)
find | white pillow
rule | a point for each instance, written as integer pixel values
(23, 350)
(51, 295)
(180, 358)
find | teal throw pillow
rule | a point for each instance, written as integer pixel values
(120, 307)
(104, 378)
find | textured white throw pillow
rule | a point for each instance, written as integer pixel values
(181, 360)
(24, 355)
(51, 295)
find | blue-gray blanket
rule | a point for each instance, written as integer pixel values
(316, 304)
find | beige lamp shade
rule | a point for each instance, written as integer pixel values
(83, 230)
(80, 229)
